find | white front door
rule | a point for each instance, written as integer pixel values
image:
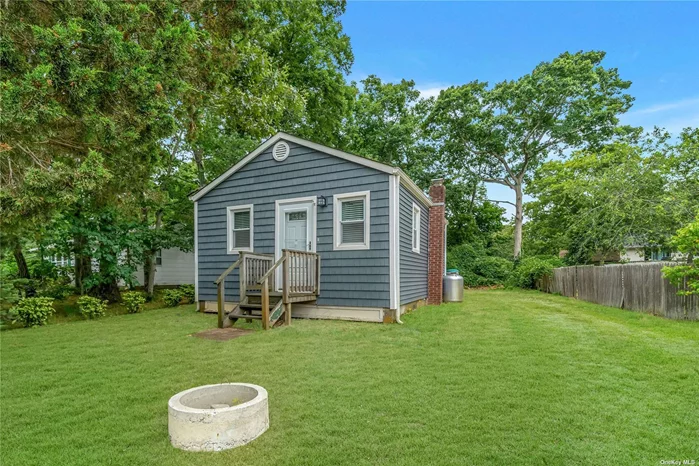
(296, 230)
(295, 227)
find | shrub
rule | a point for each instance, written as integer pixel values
(492, 270)
(530, 269)
(33, 312)
(134, 301)
(26, 287)
(92, 308)
(476, 266)
(58, 288)
(187, 292)
(172, 298)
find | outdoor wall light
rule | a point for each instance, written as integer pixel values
(322, 202)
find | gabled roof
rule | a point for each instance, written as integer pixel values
(382, 167)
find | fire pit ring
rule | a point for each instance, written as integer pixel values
(217, 417)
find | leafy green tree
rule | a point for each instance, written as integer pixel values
(686, 277)
(598, 201)
(233, 88)
(503, 133)
(384, 123)
(88, 77)
(305, 37)
(471, 217)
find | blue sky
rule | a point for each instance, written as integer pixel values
(438, 44)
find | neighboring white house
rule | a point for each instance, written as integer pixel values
(636, 253)
(633, 254)
(172, 267)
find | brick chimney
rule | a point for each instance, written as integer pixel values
(436, 246)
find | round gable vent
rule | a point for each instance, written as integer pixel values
(280, 151)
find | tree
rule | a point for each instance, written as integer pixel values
(599, 201)
(503, 133)
(306, 39)
(686, 277)
(384, 123)
(83, 78)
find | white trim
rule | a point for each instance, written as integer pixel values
(313, 225)
(313, 311)
(417, 210)
(392, 222)
(337, 236)
(397, 246)
(412, 187)
(394, 242)
(196, 252)
(415, 189)
(229, 231)
(286, 154)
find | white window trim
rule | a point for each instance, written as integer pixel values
(417, 210)
(230, 210)
(337, 201)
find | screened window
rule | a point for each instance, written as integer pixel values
(240, 229)
(416, 229)
(351, 212)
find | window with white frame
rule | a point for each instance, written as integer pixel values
(240, 222)
(416, 229)
(351, 213)
(159, 257)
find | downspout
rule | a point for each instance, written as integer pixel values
(396, 244)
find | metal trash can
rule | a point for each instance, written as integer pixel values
(453, 287)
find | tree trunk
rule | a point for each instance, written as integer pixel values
(22, 269)
(149, 265)
(109, 289)
(83, 262)
(149, 274)
(519, 219)
(199, 161)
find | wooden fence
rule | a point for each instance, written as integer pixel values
(636, 287)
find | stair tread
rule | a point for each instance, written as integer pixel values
(245, 316)
(256, 306)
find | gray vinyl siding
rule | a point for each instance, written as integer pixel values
(413, 266)
(348, 278)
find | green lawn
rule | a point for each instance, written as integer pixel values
(505, 378)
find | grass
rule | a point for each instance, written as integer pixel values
(505, 378)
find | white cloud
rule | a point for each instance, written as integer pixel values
(692, 103)
(431, 90)
(673, 116)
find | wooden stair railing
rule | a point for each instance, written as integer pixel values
(300, 282)
(221, 289)
(251, 266)
(264, 282)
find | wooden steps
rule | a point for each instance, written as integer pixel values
(253, 311)
(260, 299)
